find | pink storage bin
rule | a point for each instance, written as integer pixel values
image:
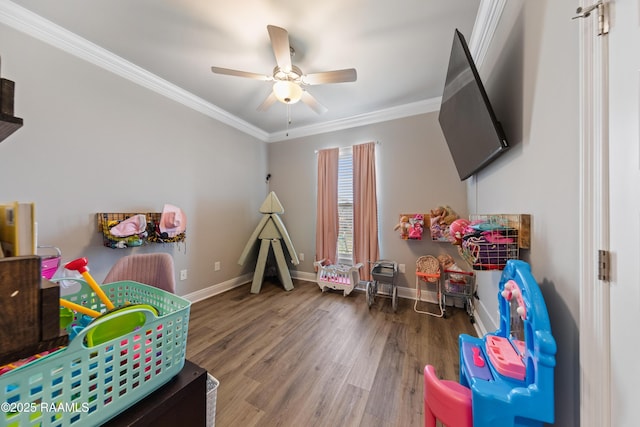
(51, 262)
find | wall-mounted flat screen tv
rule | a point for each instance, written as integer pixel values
(474, 136)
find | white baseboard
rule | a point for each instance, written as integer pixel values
(483, 313)
(218, 288)
(302, 275)
(403, 292)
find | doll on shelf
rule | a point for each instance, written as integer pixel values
(403, 226)
(417, 227)
(441, 219)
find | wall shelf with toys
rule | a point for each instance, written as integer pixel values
(411, 225)
(440, 219)
(489, 241)
(131, 229)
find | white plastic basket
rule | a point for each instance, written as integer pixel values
(212, 395)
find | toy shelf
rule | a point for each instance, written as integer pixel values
(495, 239)
(152, 234)
(411, 226)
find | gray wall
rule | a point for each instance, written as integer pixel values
(415, 173)
(94, 142)
(531, 73)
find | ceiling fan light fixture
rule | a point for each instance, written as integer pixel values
(287, 92)
(288, 79)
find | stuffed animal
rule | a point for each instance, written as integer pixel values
(443, 215)
(403, 221)
(437, 215)
(403, 226)
(457, 230)
(447, 263)
(441, 219)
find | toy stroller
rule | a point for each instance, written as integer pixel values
(384, 272)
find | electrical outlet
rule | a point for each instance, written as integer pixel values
(216, 266)
(183, 274)
(402, 268)
(301, 256)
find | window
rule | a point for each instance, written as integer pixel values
(345, 206)
(347, 211)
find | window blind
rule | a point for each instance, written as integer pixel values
(345, 206)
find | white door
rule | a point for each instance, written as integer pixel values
(610, 206)
(624, 214)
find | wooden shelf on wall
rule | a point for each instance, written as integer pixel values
(8, 125)
(8, 122)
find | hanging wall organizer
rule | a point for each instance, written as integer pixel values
(150, 234)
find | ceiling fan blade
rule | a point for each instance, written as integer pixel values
(268, 102)
(281, 49)
(337, 76)
(237, 73)
(313, 103)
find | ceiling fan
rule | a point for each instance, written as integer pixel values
(289, 79)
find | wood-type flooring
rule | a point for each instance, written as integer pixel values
(308, 358)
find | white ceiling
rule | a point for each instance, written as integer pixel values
(399, 48)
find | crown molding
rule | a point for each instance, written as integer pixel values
(25, 21)
(487, 19)
(397, 112)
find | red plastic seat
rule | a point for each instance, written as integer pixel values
(446, 401)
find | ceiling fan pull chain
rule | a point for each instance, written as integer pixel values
(288, 117)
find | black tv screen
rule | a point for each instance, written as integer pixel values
(474, 136)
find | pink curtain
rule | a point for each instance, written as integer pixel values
(365, 207)
(327, 205)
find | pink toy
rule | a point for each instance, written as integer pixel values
(512, 290)
(417, 224)
(511, 371)
(51, 262)
(337, 277)
(457, 230)
(447, 401)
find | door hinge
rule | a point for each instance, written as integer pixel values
(604, 268)
(603, 15)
